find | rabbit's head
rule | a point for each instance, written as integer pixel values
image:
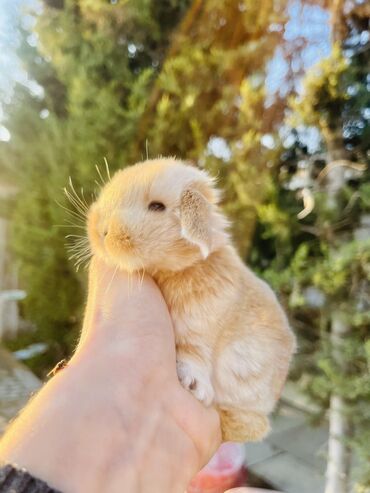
(156, 215)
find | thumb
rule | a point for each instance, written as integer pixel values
(105, 288)
(122, 305)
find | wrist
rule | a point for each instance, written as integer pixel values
(64, 434)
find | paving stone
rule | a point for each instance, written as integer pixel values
(259, 452)
(289, 474)
(281, 422)
(17, 384)
(292, 454)
(305, 442)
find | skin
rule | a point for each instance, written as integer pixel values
(249, 490)
(116, 417)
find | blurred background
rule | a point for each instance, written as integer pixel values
(270, 96)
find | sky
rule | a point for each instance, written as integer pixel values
(11, 71)
(10, 13)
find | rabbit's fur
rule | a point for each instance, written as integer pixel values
(233, 340)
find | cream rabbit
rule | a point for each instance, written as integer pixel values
(233, 339)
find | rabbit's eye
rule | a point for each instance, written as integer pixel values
(156, 206)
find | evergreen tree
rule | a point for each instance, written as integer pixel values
(91, 64)
(209, 104)
(95, 64)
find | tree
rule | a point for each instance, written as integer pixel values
(111, 76)
(209, 102)
(339, 95)
(92, 64)
(325, 249)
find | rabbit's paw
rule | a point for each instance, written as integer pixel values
(194, 378)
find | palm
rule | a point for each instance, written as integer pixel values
(136, 317)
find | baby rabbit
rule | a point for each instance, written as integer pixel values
(233, 339)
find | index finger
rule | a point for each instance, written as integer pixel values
(250, 490)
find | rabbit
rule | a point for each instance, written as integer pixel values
(233, 340)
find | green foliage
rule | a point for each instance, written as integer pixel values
(324, 92)
(54, 297)
(95, 63)
(321, 264)
(212, 88)
(113, 77)
(189, 79)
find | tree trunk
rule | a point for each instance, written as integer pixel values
(336, 152)
(337, 472)
(338, 466)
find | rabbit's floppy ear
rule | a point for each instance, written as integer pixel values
(195, 219)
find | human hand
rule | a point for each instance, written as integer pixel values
(249, 490)
(116, 419)
(239, 490)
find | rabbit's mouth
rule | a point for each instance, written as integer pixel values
(125, 258)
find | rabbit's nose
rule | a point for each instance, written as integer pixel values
(124, 236)
(117, 232)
